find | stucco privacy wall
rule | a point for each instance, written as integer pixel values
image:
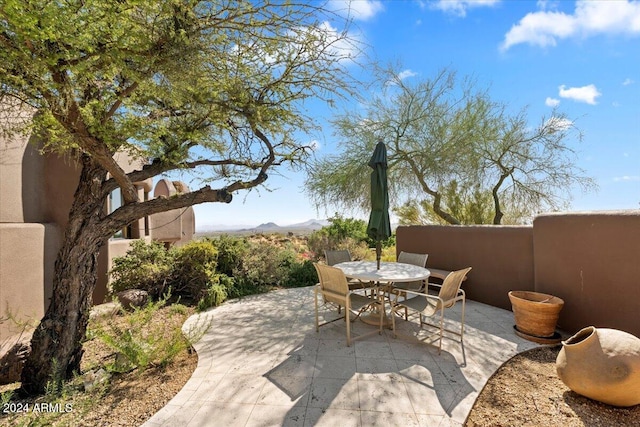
(501, 256)
(592, 261)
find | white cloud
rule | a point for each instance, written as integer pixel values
(586, 94)
(544, 28)
(627, 82)
(331, 41)
(406, 74)
(559, 124)
(460, 7)
(357, 9)
(551, 102)
(627, 178)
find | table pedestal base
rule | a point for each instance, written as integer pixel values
(374, 319)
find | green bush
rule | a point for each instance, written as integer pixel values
(206, 272)
(265, 264)
(215, 295)
(301, 274)
(231, 253)
(188, 271)
(146, 266)
(194, 270)
(345, 233)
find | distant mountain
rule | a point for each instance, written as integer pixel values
(309, 225)
(268, 226)
(315, 224)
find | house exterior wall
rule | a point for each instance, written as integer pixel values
(21, 176)
(36, 193)
(591, 260)
(27, 252)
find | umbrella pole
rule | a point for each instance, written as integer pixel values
(378, 253)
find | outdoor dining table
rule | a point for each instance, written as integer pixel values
(389, 273)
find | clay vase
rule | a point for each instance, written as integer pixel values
(603, 365)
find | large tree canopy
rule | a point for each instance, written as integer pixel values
(183, 84)
(455, 155)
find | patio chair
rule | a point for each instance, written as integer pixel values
(336, 257)
(334, 289)
(417, 286)
(430, 305)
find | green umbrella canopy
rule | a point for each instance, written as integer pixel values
(379, 227)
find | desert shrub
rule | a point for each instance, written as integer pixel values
(265, 264)
(139, 341)
(301, 274)
(320, 242)
(194, 269)
(146, 266)
(214, 295)
(345, 233)
(231, 252)
(188, 271)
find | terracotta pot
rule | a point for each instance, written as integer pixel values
(603, 365)
(535, 313)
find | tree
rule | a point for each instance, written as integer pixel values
(456, 155)
(191, 85)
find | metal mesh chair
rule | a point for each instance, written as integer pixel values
(336, 257)
(430, 305)
(398, 288)
(334, 289)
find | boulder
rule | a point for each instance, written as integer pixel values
(131, 298)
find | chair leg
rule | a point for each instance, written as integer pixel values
(393, 322)
(315, 294)
(462, 324)
(347, 315)
(382, 317)
(441, 328)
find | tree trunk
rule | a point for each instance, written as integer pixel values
(56, 346)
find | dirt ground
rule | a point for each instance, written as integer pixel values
(526, 391)
(127, 399)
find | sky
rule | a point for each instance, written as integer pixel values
(581, 57)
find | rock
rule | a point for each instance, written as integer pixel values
(94, 378)
(131, 298)
(12, 360)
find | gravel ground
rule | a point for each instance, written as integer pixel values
(526, 391)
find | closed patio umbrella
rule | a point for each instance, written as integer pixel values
(379, 227)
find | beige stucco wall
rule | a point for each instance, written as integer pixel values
(21, 177)
(176, 226)
(28, 254)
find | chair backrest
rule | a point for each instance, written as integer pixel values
(415, 259)
(451, 286)
(333, 283)
(336, 257)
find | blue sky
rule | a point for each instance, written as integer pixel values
(582, 57)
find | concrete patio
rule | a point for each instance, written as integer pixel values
(261, 363)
